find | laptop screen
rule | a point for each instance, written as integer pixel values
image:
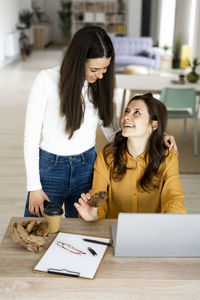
(157, 235)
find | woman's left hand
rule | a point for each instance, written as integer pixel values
(86, 212)
(170, 142)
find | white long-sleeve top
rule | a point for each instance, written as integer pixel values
(45, 128)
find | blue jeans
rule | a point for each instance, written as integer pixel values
(64, 178)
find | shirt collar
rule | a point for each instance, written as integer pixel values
(131, 163)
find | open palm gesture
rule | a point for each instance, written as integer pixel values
(86, 212)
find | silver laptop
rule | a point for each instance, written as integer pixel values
(156, 235)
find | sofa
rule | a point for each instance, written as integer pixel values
(136, 51)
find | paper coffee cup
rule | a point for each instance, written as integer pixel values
(53, 215)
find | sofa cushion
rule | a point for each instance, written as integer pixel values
(146, 54)
(123, 60)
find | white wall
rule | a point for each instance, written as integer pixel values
(196, 38)
(51, 8)
(166, 22)
(9, 13)
(134, 13)
(184, 23)
(154, 32)
(39, 4)
(182, 20)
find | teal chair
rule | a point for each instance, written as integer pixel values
(178, 101)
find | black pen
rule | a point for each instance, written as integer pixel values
(97, 242)
(92, 251)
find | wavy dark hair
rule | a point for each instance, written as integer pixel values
(155, 151)
(88, 42)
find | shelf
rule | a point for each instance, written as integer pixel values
(106, 14)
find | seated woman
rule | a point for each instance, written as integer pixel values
(137, 171)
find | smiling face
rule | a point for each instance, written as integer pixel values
(136, 120)
(95, 68)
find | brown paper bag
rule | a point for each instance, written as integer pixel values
(30, 234)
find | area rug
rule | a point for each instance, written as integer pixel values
(188, 163)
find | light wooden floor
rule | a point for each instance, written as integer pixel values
(15, 82)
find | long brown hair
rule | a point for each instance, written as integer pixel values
(88, 42)
(155, 150)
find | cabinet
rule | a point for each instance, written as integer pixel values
(166, 62)
(110, 14)
(41, 35)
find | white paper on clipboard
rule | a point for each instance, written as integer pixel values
(62, 260)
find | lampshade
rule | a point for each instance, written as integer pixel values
(186, 55)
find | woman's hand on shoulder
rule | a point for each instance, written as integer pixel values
(170, 142)
(86, 212)
(36, 202)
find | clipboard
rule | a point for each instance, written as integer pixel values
(69, 255)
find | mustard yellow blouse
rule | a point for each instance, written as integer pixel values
(125, 196)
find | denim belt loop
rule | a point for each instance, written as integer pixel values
(56, 160)
(82, 156)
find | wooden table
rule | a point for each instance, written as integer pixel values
(118, 278)
(154, 83)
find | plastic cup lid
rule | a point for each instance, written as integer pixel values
(52, 209)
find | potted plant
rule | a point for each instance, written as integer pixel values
(165, 48)
(25, 17)
(65, 19)
(193, 76)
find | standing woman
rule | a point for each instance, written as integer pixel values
(64, 109)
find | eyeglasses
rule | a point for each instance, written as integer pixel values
(69, 248)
